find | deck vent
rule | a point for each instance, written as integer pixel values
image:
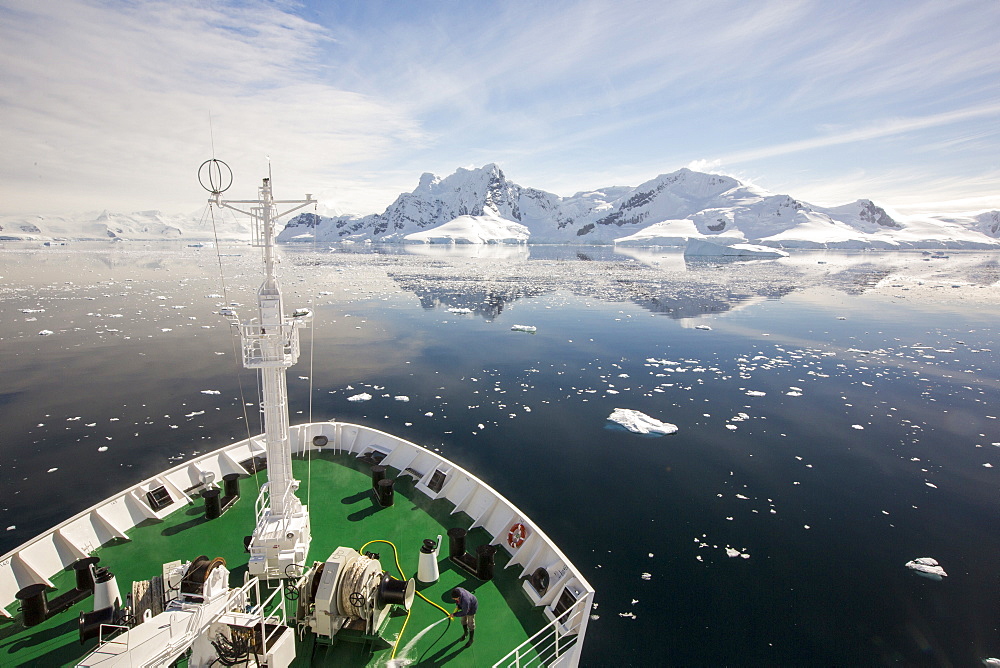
(158, 498)
(437, 480)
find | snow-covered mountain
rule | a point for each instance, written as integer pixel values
(483, 206)
(140, 225)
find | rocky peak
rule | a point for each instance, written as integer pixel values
(871, 213)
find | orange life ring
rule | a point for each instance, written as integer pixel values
(516, 535)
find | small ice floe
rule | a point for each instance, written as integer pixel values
(704, 327)
(53, 470)
(856, 426)
(11, 527)
(211, 392)
(927, 567)
(103, 448)
(640, 423)
(523, 328)
(194, 413)
(364, 396)
(995, 663)
(460, 310)
(646, 576)
(401, 397)
(45, 332)
(756, 393)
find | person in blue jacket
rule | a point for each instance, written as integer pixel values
(466, 605)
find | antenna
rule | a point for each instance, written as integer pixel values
(211, 133)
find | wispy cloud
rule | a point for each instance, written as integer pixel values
(101, 102)
(884, 128)
(107, 103)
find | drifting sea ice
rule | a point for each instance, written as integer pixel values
(640, 423)
(523, 328)
(927, 567)
(364, 396)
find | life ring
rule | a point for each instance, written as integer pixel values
(516, 535)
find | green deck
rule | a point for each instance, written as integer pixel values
(342, 512)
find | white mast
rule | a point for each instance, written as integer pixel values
(281, 537)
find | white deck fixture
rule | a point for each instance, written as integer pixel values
(281, 537)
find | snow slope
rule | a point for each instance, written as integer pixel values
(140, 225)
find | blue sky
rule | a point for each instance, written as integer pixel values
(107, 104)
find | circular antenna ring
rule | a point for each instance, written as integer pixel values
(215, 176)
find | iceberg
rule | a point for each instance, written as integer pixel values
(927, 567)
(640, 423)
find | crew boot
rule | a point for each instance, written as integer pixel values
(465, 632)
(472, 636)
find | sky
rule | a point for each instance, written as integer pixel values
(115, 104)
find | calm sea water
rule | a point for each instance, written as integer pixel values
(837, 418)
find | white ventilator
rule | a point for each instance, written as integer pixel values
(427, 567)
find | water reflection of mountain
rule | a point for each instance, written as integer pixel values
(694, 302)
(487, 302)
(658, 281)
(859, 279)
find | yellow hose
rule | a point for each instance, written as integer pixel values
(400, 636)
(447, 614)
(395, 554)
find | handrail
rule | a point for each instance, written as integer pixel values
(548, 643)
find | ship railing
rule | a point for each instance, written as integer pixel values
(551, 642)
(236, 602)
(259, 344)
(263, 502)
